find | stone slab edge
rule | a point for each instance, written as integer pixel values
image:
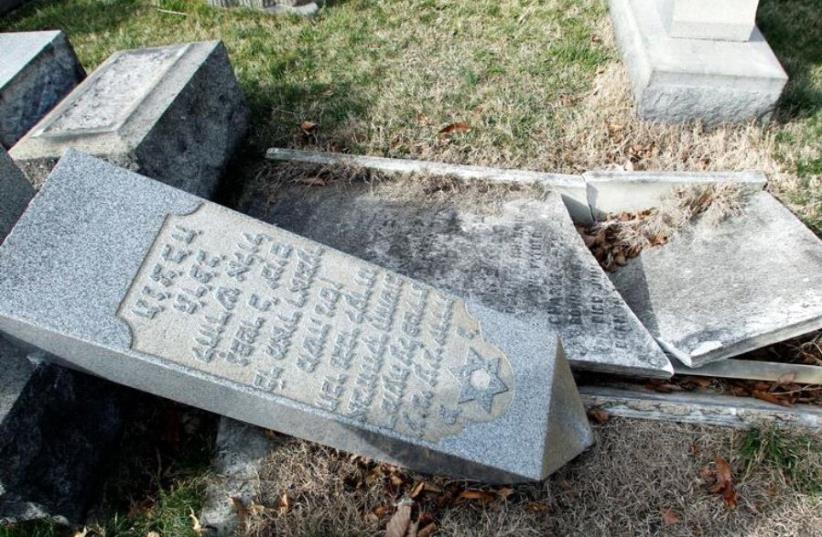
(586, 196)
(702, 409)
(754, 370)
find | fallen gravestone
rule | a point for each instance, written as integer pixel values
(174, 113)
(15, 193)
(295, 7)
(682, 76)
(179, 297)
(520, 255)
(37, 69)
(718, 290)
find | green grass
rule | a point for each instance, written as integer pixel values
(798, 458)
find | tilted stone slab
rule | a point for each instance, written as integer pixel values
(521, 256)
(295, 7)
(37, 69)
(676, 80)
(15, 193)
(716, 291)
(180, 297)
(175, 114)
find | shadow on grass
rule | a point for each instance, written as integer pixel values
(73, 17)
(793, 28)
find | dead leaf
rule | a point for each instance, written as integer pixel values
(537, 507)
(398, 525)
(723, 484)
(312, 181)
(284, 504)
(83, 532)
(428, 530)
(417, 490)
(770, 397)
(477, 495)
(152, 534)
(195, 523)
(454, 128)
(669, 518)
(505, 492)
(599, 416)
(308, 127)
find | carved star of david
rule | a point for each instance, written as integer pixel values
(469, 390)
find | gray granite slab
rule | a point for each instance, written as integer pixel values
(56, 429)
(715, 291)
(174, 113)
(293, 7)
(37, 69)
(677, 79)
(520, 255)
(182, 298)
(728, 20)
(15, 193)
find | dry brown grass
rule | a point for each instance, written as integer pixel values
(636, 473)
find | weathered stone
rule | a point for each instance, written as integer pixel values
(175, 114)
(718, 290)
(241, 453)
(726, 20)
(295, 7)
(15, 193)
(521, 256)
(677, 80)
(56, 427)
(183, 298)
(37, 69)
(617, 191)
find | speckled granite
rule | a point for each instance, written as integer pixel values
(182, 298)
(37, 69)
(175, 114)
(15, 193)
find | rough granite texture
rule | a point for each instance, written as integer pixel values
(726, 20)
(56, 428)
(716, 291)
(523, 257)
(15, 194)
(175, 114)
(182, 298)
(616, 191)
(676, 80)
(241, 451)
(37, 69)
(295, 7)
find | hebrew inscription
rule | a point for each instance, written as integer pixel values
(251, 303)
(118, 89)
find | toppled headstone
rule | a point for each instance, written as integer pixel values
(186, 299)
(295, 7)
(37, 69)
(677, 79)
(15, 193)
(719, 290)
(175, 114)
(56, 428)
(520, 255)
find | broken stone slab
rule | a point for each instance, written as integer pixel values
(57, 427)
(756, 370)
(617, 191)
(728, 20)
(183, 298)
(521, 255)
(677, 80)
(15, 193)
(293, 7)
(241, 451)
(718, 290)
(37, 69)
(175, 114)
(570, 187)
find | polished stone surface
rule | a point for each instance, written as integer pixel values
(716, 291)
(182, 298)
(175, 114)
(37, 69)
(519, 254)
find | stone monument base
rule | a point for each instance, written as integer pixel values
(677, 79)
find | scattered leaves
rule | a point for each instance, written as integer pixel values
(309, 127)
(481, 496)
(598, 415)
(720, 480)
(460, 127)
(399, 523)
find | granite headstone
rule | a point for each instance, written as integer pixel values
(295, 7)
(175, 114)
(37, 69)
(520, 255)
(15, 193)
(718, 290)
(180, 297)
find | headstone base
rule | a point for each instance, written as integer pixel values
(677, 80)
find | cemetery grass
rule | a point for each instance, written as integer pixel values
(518, 84)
